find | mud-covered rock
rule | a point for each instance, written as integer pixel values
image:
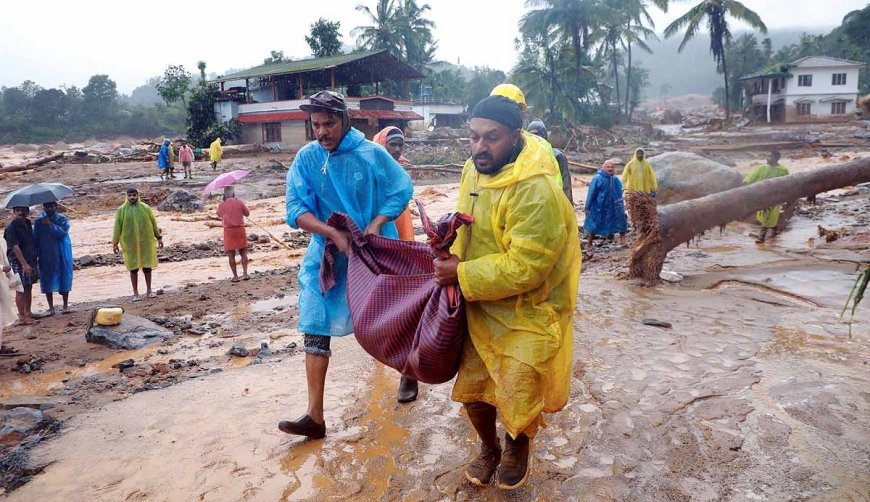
(18, 423)
(134, 332)
(183, 201)
(684, 176)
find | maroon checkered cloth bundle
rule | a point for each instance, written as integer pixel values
(400, 315)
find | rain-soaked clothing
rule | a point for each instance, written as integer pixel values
(404, 223)
(54, 250)
(605, 205)
(519, 269)
(164, 157)
(768, 218)
(215, 152)
(638, 176)
(137, 232)
(359, 179)
(8, 312)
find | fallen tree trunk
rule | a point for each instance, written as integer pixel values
(32, 164)
(679, 222)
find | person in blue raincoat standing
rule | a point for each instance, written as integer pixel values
(163, 160)
(343, 172)
(54, 252)
(605, 208)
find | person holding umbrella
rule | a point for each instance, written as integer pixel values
(137, 234)
(232, 213)
(54, 253)
(21, 253)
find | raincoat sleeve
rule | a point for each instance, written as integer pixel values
(153, 223)
(533, 238)
(594, 187)
(754, 175)
(57, 230)
(119, 225)
(652, 176)
(398, 188)
(300, 196)
(627, 173)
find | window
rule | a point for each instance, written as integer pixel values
(272, 132)
(803, 109)
(838, 108)
(805, 80)
(838, 79)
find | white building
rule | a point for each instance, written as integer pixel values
(811, 88)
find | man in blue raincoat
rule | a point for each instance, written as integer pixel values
(163, 160)
(605, 208)
(343, 172)
(54, 251)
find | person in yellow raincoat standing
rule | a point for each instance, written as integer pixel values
(137, 234)
(518, 267)
(640, 186)
(215, 152)
(767, 218)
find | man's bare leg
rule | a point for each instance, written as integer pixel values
(65, 296)
(231, 255)
(244, 254)
(49, 299)
(147, 274)
(134, 281)
(315, 373)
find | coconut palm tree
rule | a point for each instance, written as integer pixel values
(715, 14)
(383, 32)
(636, 33)
(416, 33)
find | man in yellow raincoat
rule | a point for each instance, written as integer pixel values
(517, 266)
(768, 218)
(137, 234)
(640, 186)
(215, 152)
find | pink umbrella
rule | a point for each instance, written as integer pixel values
(223, 180)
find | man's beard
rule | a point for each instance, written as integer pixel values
(497, 164)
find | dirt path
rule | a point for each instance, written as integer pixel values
(756, 392)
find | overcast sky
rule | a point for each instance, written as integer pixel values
(65, 42)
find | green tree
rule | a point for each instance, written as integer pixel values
(383, 32)
(200, 65)
(49, 107)
(446, 85)
(100, 98)
(715, 14)
(325, 39)
(276, 57)
(745, 57)
(482, 81)
(174, 84)
(418, 42)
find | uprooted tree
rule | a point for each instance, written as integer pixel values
(678, 223)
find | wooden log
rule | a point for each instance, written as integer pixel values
(32, 164)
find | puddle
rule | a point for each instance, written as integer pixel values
(274, 303)
(41, 384)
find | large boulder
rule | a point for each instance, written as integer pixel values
(183, 201)
(683, 176)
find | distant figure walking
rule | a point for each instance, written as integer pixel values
(137, 234)
(393, 140)
(54, 253)
(163, 160)
(538, 128)
(186, 155)
(768, 218)
(7, 286)
(232, 213)
(215, 153)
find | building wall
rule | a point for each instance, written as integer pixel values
(292, 134)
(225, 111)
(821, 89)
(429, 110)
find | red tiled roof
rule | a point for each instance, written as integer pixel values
(255, 118)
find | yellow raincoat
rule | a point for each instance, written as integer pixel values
(768, 218)
(638, 176)
(215, 152)
(172, 156)
(136, 230)
(519, 273)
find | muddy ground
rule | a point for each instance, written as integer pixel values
(757, 392)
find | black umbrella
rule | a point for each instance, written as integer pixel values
(36, 194)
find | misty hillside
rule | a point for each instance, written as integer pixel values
(693, 70)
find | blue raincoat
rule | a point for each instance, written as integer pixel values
(605, 205)
(54, 252)
(163, 156)
(359, 179)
